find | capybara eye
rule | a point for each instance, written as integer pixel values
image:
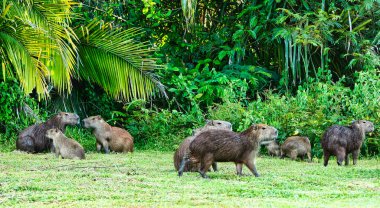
(363, 121)
(66, 114)
(264, 128)
(219, 123)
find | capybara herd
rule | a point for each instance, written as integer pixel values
(212, 143)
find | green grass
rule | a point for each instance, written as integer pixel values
(146, 179)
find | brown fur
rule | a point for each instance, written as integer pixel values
(296, 146)
(273, 149)
(184, 146)
(227, 146)
(33, 138)
(343, 140)
(109, 137)
(65, 147)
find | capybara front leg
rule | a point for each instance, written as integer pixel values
(239, 169)
(184, 162)
(346, 160)
(214, 166)
(340, 155)
(326, 157)
(355, 156)
(98, 147)
(309, 157)
(252, 168)
(106, 147)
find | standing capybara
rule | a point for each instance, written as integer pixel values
(33, 138)
(67, 148)
(273, 149)
(184, 147)
(343, 140)
(296, 146)
(109, 137)
(228, 146)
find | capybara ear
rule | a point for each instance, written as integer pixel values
(98, 117)
(208, 121)
(254, 127)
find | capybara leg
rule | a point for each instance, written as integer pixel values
(252, 168)
(214, 166)
(25, 144)
(206, 164)
(340, 155)
(355, 155)
(239, 169)
(282, 154)
(326, 157)
(106, 147)
(183, 164)
(98, 147)
(293, 154)
(309, 157)
(346, 160)
(57, 153)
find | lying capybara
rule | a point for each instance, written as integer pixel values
(184, 146)
(109, 137)
(67, 148)
(273, 149)
(228, 146)
(343, 140)
(296, 146)
(33, 139)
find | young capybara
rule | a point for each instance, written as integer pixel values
(296, 146)
(273, 149)
(33, 139)
(67, 148)
(184, 146)
(343, 140)
(109, 137)
(228, 146)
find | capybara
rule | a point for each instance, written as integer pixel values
(109, 137)
(296, 146)
(67, 148)
(273, 149)
(184, 146)
(33, 139)
(228, 146)
(343, 140)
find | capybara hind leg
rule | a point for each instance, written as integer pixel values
(25, 144)
(355, 155)
(214, 166)
(252, 168)
(293, 154)
(239, 169)
(346, 160)
(326, 157)
(206, 164)
(309, 157)
(340, 155)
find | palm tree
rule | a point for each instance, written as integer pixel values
(40, 49)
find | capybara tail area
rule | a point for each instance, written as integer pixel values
(25, 144)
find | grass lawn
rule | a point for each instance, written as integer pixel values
(146, 179)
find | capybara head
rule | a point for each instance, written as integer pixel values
(220, 124)
(68, 118)
(53, 133)
(262, 132)
(367, 126)
(93, 122)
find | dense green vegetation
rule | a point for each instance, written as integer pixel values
(300, 66)
(146, 179)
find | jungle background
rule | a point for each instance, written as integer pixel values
(159, 68)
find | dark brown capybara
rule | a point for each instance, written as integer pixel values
(296, 146)
(109, 137)
(33, 139)
(343, 140)
(65, 147)
(273, 149)
(228, 146)
(184, 146)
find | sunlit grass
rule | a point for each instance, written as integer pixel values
(148, 179)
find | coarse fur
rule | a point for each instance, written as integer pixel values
(273, 149)
(33, 139)
(184, 146)
(343, 140)
(109, 138)
(65, 147)
(295, 146)
(228, 146)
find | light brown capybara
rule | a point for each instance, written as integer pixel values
(273, 149)
(33, 139)
(184, 146)
(296, 146)
(228, 146)
(65, 147)
(108, 137)
(343, 140)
